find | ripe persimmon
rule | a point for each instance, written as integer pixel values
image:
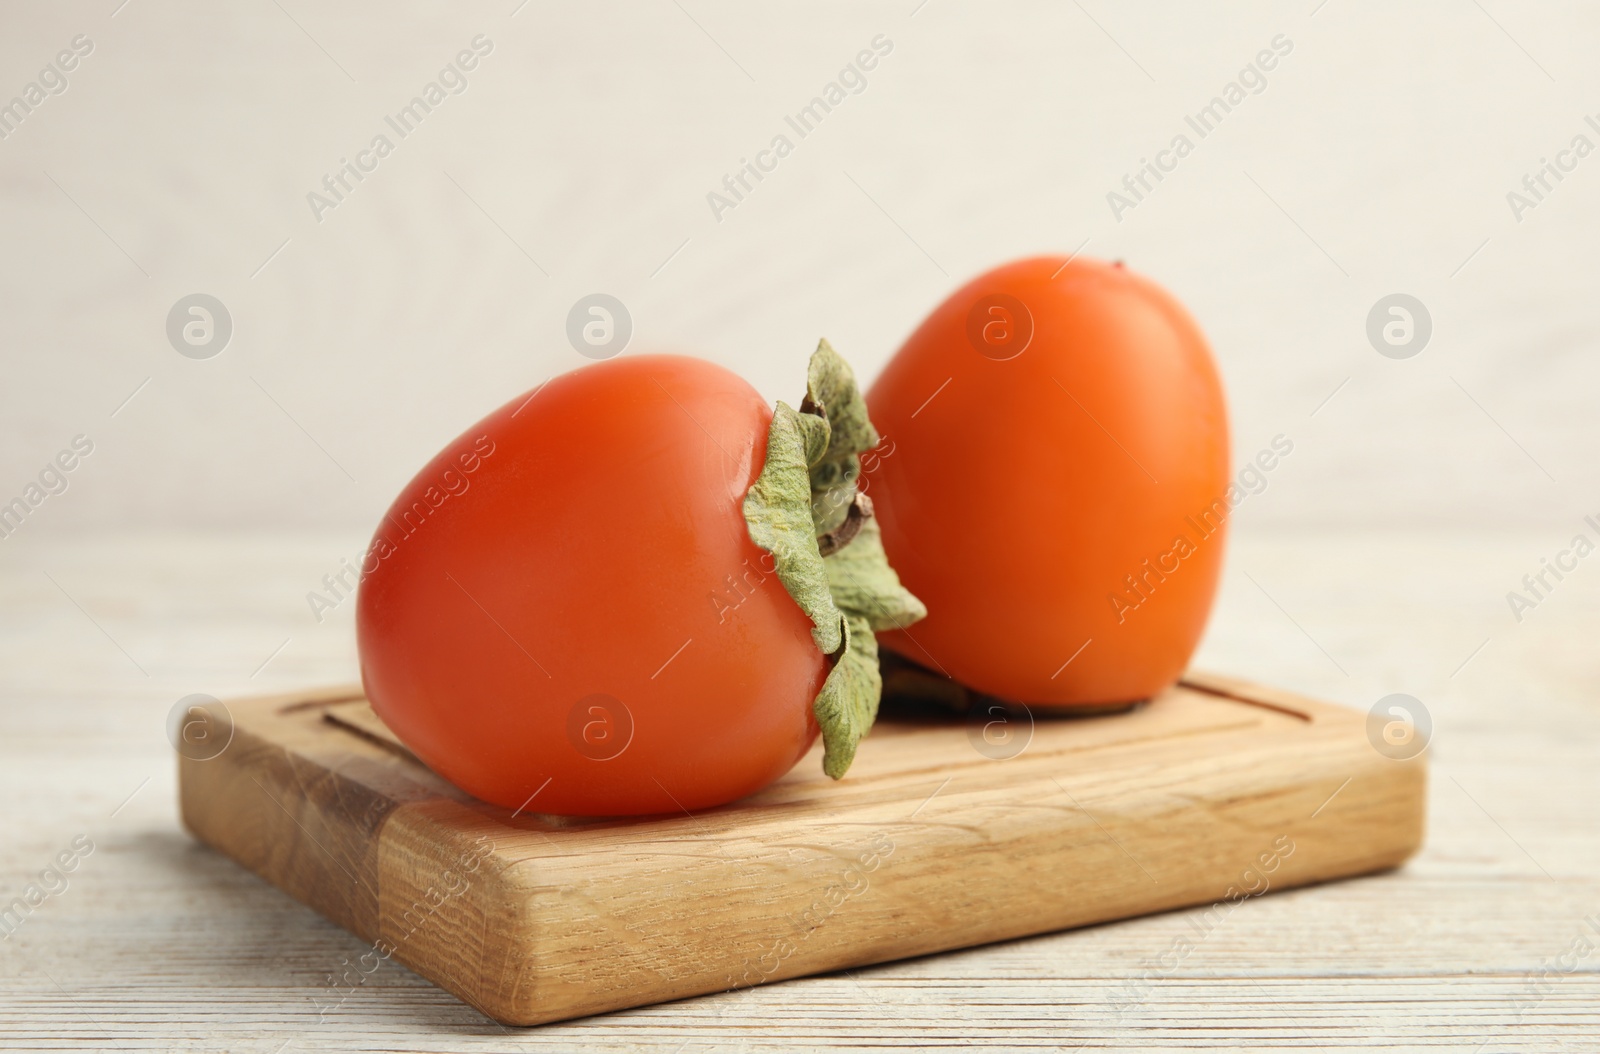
(1058, 489)
(611, 595)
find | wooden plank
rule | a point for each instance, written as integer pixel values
(1214, 792)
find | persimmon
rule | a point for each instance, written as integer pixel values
(1058, 490)
(611, 595)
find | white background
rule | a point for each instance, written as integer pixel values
(1377, 160)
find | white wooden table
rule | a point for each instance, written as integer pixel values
(159, 943)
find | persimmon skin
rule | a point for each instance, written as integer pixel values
(1019, 498)
(598, 549)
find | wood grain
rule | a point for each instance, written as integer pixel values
(1216, 792)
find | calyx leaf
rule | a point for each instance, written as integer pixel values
(806, 511)
(778, 512)
(831, 391)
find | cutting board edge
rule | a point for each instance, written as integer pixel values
(271, 817)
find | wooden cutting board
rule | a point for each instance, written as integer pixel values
(942, 836)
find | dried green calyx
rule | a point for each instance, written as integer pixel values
(805, 509)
